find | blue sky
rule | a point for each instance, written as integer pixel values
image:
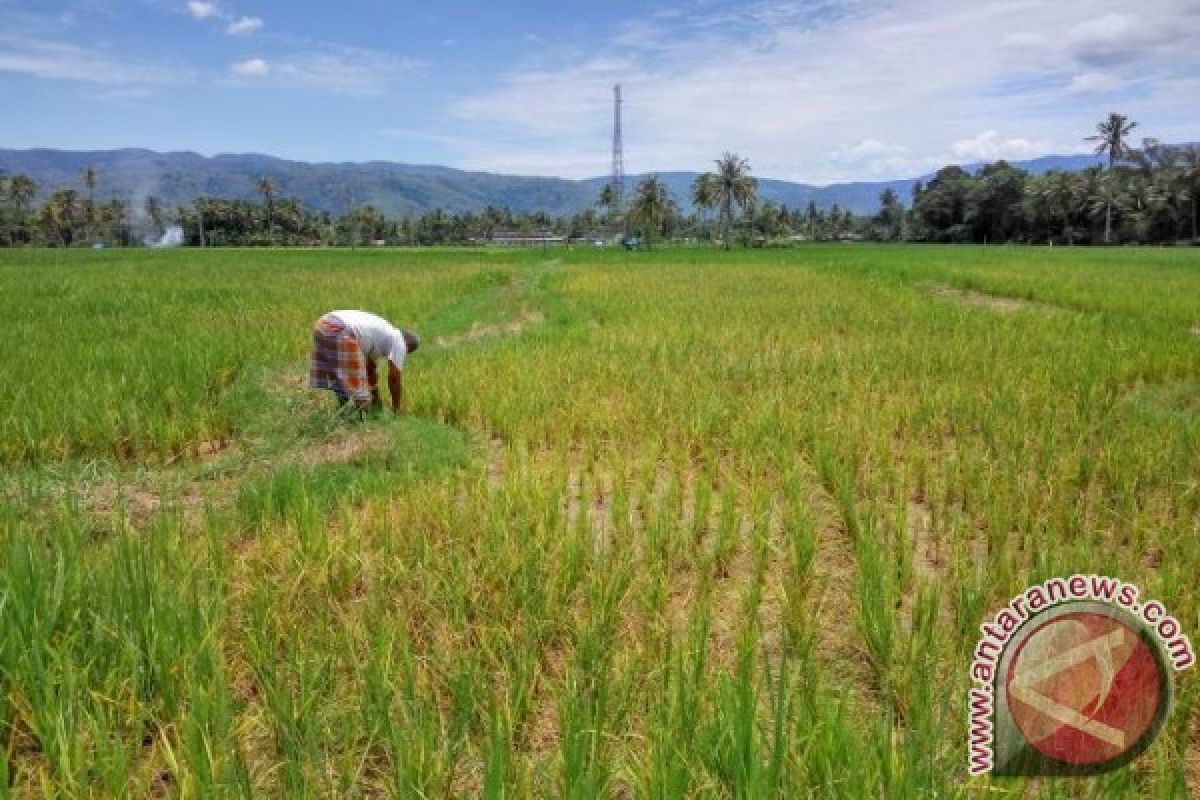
(818, 90)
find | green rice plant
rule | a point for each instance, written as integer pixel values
(650, 529)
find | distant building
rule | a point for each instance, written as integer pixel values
(526, 238)
(604, 237)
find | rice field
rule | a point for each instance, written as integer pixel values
(683, 523)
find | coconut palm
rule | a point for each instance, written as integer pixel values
(652, 207)
(201, 204)
(608, 197)
(154, 210)
(891, 214)
(704, 193)
(734, 186)
(1103, 193)
(1058, 191)
(1038, 209)
(21, 191)
(60, 216)
(1110, 141)
(89, 213)
(267, 189)
(812, 218)
(112, 221)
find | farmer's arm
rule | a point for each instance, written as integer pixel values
(396, 388)
(373, 382)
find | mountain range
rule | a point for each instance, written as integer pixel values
(399, 189)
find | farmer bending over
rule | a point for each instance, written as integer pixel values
(346, 345)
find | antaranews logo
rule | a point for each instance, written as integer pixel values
(1074, 676)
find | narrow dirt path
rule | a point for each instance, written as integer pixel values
(479, 331)
(1002, 304)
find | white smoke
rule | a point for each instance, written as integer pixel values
(172, 237)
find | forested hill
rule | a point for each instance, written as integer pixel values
(395, 189)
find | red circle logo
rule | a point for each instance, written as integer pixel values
(1084, 688)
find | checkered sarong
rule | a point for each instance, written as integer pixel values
(338, 363)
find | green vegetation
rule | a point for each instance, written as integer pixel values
(652, 211)
(661, 524)
(1147, 195)
(729, 187)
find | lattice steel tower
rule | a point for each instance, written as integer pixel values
(618, 152)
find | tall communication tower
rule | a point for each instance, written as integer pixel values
(618, 152)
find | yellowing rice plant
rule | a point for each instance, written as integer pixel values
(662, 524)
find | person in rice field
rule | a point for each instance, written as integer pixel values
(346, 345)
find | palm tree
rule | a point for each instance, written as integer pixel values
(734, 186)
(1110, 140)
(652, 208)
(835, 220)
(267, 190)
(1058, 191)
(59, 216)
(154, 210)
(608, 197)
(812, 217)
(891, 214)
(21, 191)
(121, 208)
(89, 213)
(1038, 209)
(1103, 193)
(704, 193)
(201, 205)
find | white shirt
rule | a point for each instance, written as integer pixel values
(377, 337)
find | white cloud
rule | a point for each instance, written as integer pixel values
(872, 158)
(869, 148)
(346, 71)
(1116, 37)
(234, 26)
(991, 146)
(201, 9)
(1110, 36)
(834, 91)
(1093, 83)
(54, 60)
(244, 25)
(251, 68)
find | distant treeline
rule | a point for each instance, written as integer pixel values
(1147, 195)
(71, 218)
